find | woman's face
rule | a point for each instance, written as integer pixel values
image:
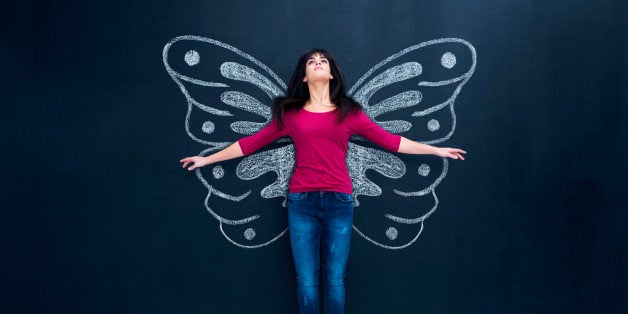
(317, 69)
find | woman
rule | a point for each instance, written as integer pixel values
(320, 118)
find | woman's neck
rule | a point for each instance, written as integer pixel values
(319, 96)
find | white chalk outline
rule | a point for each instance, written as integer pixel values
(357, 164)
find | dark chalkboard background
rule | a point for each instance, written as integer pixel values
(98, 216)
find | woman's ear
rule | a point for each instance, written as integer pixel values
(305, 79)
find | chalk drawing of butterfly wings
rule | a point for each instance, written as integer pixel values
(410, 93)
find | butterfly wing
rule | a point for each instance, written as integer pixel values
(410, 93)
(226, 92)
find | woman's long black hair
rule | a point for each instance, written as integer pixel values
(298, 92)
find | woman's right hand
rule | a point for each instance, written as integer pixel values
(197, 160)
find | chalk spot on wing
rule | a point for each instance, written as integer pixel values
(218, 172)
(249, 234)
(424, 170)
(208, 127)
(192, 58)
(433, 125)
(392, 233)
(448, 60)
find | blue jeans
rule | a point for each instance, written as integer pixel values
(320, 226)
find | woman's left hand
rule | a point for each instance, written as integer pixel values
(453, 153)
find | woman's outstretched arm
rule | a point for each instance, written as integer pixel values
(365, 127)
(243, 146)
(411, 147)
(230, 152)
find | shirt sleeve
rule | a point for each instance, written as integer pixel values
(365, 127)
(263, 137)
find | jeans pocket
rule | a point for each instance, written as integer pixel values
(344, 197)
(296, 196)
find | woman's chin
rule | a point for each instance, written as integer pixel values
(321, 79)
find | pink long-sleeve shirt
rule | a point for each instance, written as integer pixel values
(321, 146)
